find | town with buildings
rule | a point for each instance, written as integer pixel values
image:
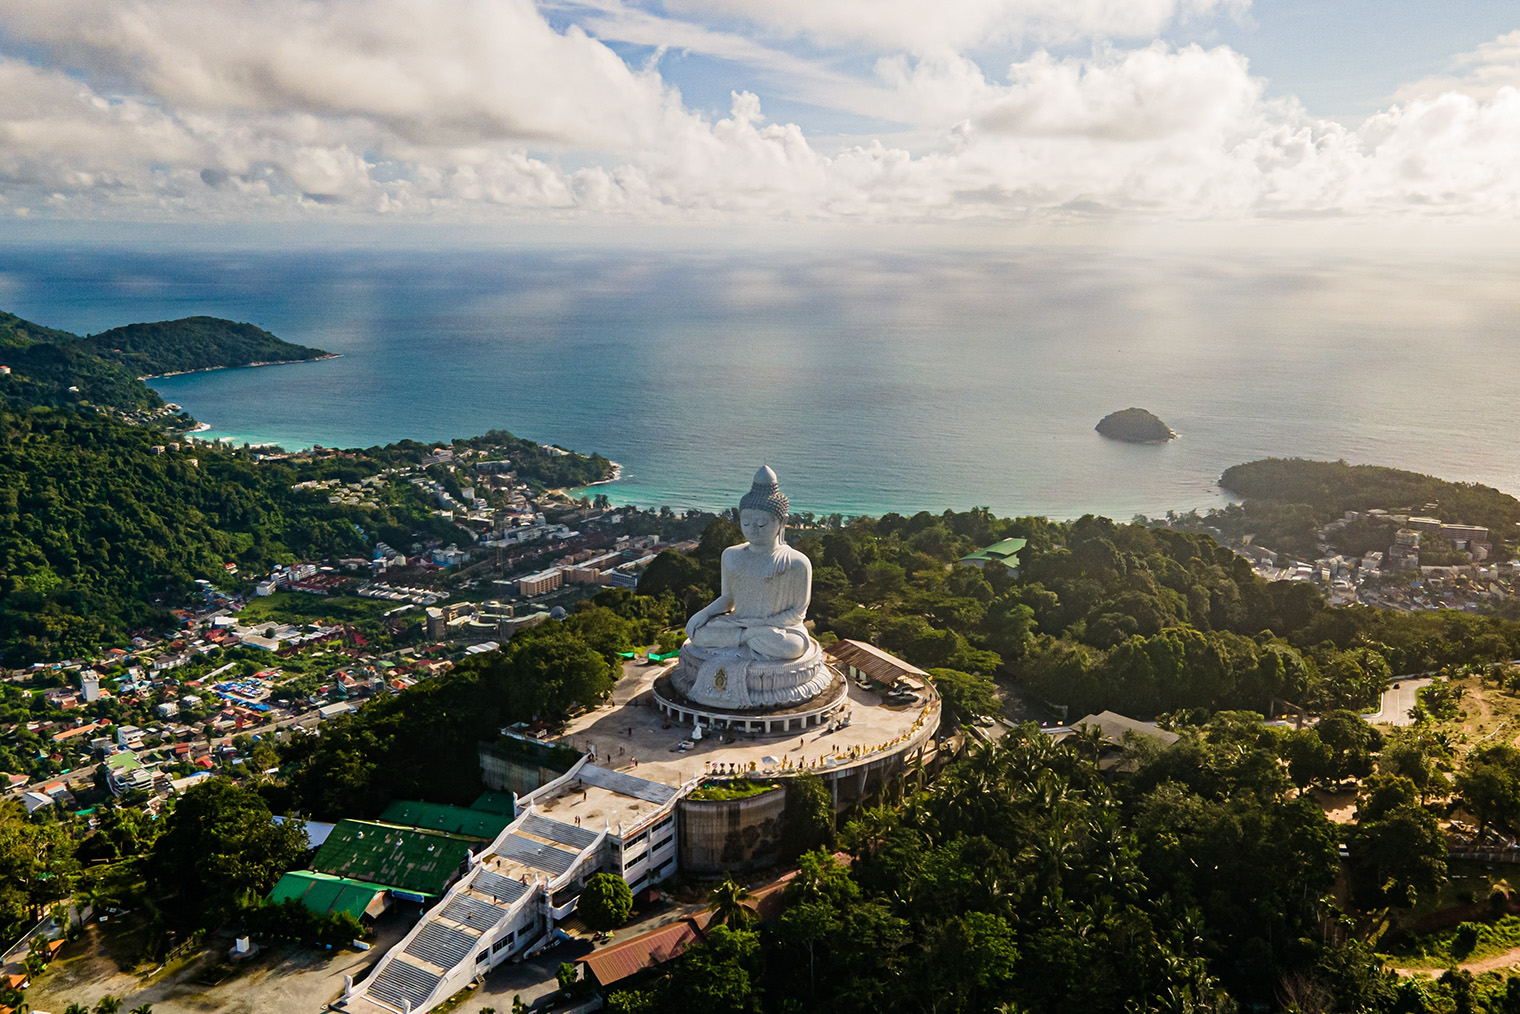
(600, 794)
(1427, 564)
(172, 706)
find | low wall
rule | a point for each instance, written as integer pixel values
(850, 783)
(1474, 911)
(518, 769)
(718, 836)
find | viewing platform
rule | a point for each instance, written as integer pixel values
(639, 736)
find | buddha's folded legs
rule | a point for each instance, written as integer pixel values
(719, 632)
(779, 643)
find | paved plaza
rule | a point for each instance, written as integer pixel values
(630, 734)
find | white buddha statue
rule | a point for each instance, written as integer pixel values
(749, 648)
(766, 584)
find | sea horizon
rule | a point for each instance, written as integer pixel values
(872, 381)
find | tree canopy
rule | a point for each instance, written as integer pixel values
(423, 743)
(1100, 616)
(605, 902)
(219, 843)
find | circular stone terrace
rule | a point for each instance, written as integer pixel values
(798, 717)
(632, 734)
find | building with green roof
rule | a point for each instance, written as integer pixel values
(496, 802)
(471, 823)
(1005, 553)
(412, 860)
(124, 771)
(324, 893)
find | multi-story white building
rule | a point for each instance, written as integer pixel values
(588, 820)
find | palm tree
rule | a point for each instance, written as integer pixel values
(143, 1008)
(920, 777)
(869, 829)
(1087, 741)
(108, 1005)
(728, 902)
(76, 1008)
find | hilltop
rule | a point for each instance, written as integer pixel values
(193, 343)
(49, 367)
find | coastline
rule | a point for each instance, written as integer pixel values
(617, 473)
(245, 366)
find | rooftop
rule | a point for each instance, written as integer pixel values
(442, 817)
(495, 802)
(1005, 552)
(412, 859)
(634, 955)
(872, 661)
(606, 797)
(322, 892)
(1114, 727)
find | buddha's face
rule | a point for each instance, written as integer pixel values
(761, 528)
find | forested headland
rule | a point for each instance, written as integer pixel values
(1287, 500)
(192, 343)
(56, 368)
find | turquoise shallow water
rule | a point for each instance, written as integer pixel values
(870, 381)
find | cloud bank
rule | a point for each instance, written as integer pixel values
(487, 110)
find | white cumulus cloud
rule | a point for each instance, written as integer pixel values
(458, 109)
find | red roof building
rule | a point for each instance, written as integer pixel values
(647, 950)
(82, 730)
(618, 962)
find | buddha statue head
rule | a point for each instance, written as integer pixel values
(763, 511)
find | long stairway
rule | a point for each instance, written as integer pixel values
(439, 955)
(401, 982)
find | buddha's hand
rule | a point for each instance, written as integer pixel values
(696, 623)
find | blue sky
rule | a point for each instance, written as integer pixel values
(1347, 58)
(1343, 59)
(706, 114)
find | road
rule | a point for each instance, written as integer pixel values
(1397, 700)
(1508, 959)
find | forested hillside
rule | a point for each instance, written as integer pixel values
(94, 527)
(1023, 880)
(46, 363)
(56, 368)
(194, 343)
(1101, 615)
(422, 744)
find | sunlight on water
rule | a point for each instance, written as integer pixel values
(871, 382)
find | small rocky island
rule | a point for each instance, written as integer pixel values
(1135, 426)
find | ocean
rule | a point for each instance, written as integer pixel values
(871, 381)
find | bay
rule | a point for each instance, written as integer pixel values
(870, 380)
